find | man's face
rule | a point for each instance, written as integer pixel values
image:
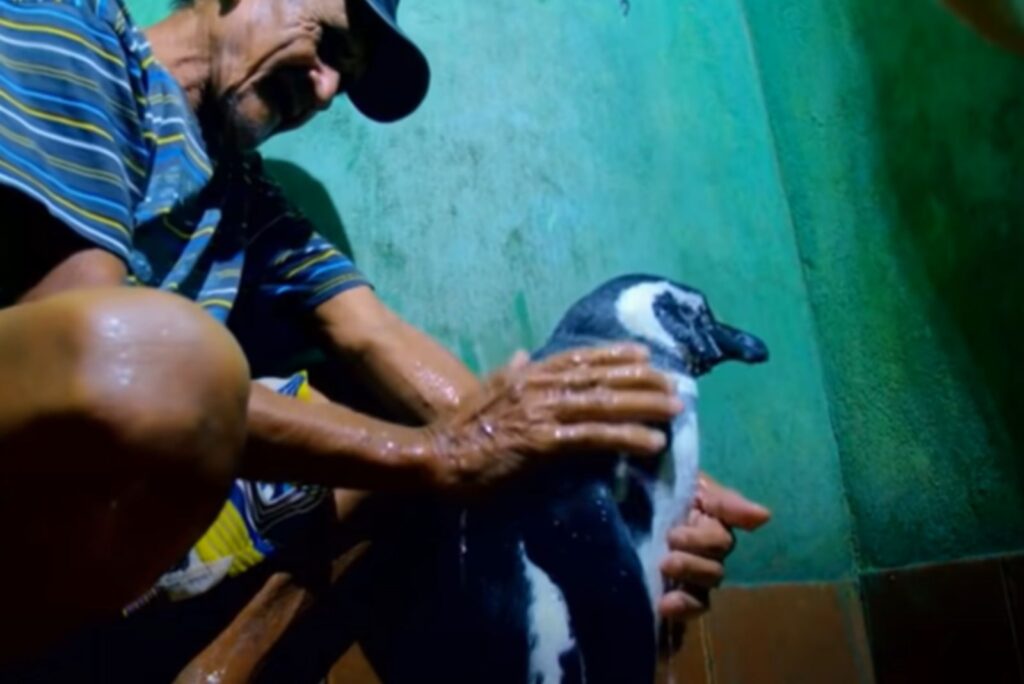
(278, 62)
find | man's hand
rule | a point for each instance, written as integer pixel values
(584, 400)
(698, 547)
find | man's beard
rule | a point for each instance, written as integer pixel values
(236, 132)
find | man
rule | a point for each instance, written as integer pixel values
(125, 412)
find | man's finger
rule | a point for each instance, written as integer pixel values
(614, 354)
(678, 605)
(704, 536)
(692, 569)
(519, 360)
(601, 437)
(614, 406)
(729, 506)
(638, 376)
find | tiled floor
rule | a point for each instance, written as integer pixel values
(793, 634)
(789, 634)
(958, 622)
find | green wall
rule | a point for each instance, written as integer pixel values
(898, 134)
(801, 162)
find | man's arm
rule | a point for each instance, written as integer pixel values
(521, 413)
(579, 401)
(289, 440)
(85, 268)
(43, 257)
(406, 365)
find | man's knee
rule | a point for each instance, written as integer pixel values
(167, 378)
(150, 375)
(122, 417)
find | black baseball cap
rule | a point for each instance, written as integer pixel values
(398, 76)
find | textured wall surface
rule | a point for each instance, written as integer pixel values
(837, 176)
(898, 136)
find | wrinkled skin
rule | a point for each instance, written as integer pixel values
(269, 65)
(127, 409)
(586, 400)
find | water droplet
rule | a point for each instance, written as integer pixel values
(463, 545)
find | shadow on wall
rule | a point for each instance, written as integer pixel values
(951, 143)
(311, 197)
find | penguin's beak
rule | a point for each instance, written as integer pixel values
(738, 345)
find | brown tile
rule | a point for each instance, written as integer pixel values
(792, 634)
(689, 664)
(1013, 576)
(944, 623)
(353, 668)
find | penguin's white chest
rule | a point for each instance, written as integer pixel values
(672, 490)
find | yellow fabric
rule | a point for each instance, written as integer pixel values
(227, 537)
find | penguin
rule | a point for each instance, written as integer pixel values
(601, 541)
(556, 581)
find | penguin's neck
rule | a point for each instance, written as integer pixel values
(672, 491)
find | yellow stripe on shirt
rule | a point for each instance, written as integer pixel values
(46, 116)
(40, 28)
(65, 203)
(309, 262)
(60, 162)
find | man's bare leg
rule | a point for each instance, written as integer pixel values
(122, 414)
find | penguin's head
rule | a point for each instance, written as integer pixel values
(672, 319)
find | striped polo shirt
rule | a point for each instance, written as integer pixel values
(99, 133)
